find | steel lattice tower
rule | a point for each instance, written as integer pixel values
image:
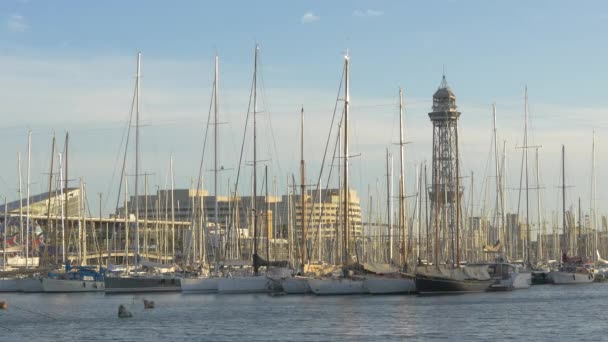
(444, 202)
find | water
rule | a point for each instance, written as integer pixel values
(545, 312)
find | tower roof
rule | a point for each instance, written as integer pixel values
(444, 90)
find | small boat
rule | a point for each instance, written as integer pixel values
(509, 277)
(572, 271)
(569, 275)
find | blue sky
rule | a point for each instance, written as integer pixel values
(70, 65)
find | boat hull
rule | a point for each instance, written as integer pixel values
(66, 285)
(564, 278)
(252, 284)
(9, 285)
(296, 285)
(388, 285)
(30, 285)
(438, 285)
(199, 284)
(141, 284)
(336, 286)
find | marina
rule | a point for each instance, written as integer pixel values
(319, 171)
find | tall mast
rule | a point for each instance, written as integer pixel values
(266, 221)
(255, 185)
(27, 194)
(48, 208)
(62, 212)
(345, 170)
(420, 192)
(389, 203)
(172, 208)
(564, 194)
(22, 237)
(5, 234)
(527, 186)
(215, 147)
(402, 224)
(539, 242)
(593, 198)
(304, 246)
(497, 179)
(136, 254)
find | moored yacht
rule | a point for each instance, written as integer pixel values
(77, 279)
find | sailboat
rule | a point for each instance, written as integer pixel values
(451, 276)
(509, 276)
(571, 270)
(297, 284)
(206, 282)
(138, 281)
(394, 281)
(346, 283)
(74, 279)
(255, 283)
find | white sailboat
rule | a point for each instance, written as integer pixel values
(297, 284)
(347, 283)
(255, 283)
(207, 283)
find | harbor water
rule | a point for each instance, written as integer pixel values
(542, 313)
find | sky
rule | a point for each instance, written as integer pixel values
(69, 66)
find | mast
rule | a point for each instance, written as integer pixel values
(136, 252)
(266, 210)
(593, 198)
(21, 237)
(215, 153)
(564, 195)
(27, 194)
(304, 247)
(527, 186)
(5, 234)
(62, 212)
(255, 185)
(402, 224)
(539, 221)
(345, 257)
(497, 178)
(389, 203)
(172, 208)
(420, 192)
(48, 208)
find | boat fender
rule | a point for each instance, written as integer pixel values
(3, 306)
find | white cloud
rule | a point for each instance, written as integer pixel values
(309, 17)
(16, 23)
(367, 13)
